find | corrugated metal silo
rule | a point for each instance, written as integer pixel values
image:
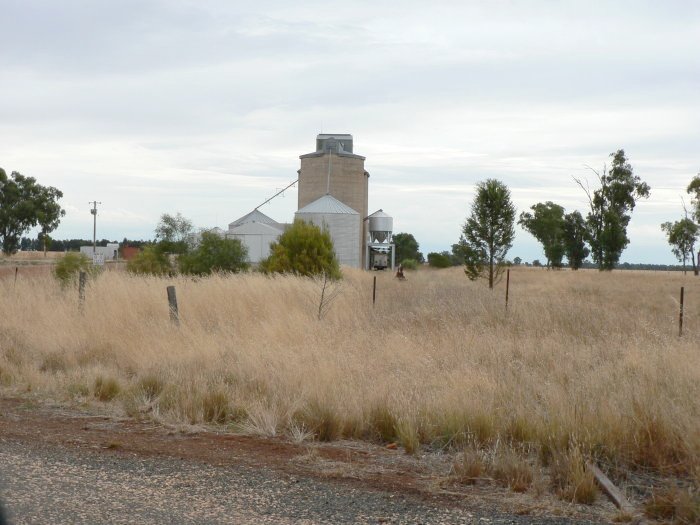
(342, 222)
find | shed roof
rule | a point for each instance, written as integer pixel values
(255, 228)
(253, 216)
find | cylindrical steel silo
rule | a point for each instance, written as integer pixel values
(342, 222)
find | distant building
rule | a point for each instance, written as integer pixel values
(129, 252)
(333, 194)
(109, 252)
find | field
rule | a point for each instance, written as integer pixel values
(581, 366)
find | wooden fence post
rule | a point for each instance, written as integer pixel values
(172, 304)
(680, 316)
(507, 286)
(81, 291)
(374, 291)
(14, 285)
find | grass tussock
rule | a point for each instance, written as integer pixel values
(504, 465)
(674, 504)
(572, 480)
(580, 357)
(105, 388)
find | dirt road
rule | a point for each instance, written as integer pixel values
(62, 466)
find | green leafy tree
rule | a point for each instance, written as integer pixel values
(611, 207)
(682, 236)
(214, 254)
(488, 232)
(517, 261)
(694, 190)
(303, 249)
(174, 233)
(575, 234)
(439, 260)
(23, 204)
(150, 261)
(49, 213)
(407, 247)
(546, 224)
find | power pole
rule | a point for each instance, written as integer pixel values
(94, 225)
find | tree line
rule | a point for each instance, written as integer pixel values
(489, 231)
(682, 235)
(72, 245)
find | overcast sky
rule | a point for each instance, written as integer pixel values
(203, 107)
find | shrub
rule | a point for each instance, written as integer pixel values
(439, 260)
(68, 268)
(214, 254)
(151, 261)
(303, 250)
(409, 264)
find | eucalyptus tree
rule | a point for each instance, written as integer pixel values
(682, 236)
(488, 232)
(611, 208)
(25, 204)
(546, 224)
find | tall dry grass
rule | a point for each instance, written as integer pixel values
(580, 358)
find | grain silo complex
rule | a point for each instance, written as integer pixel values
(333, 194)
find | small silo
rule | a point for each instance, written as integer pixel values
(380, 226)
(342, 222)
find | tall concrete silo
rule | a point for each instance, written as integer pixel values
(335, 170)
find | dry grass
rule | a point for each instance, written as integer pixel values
(585, 358)
(679, 505)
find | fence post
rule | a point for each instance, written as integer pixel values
(680, 316)
(81, 291)
(507, 286)
(172, 304)
(14, 285)
(374, 291)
